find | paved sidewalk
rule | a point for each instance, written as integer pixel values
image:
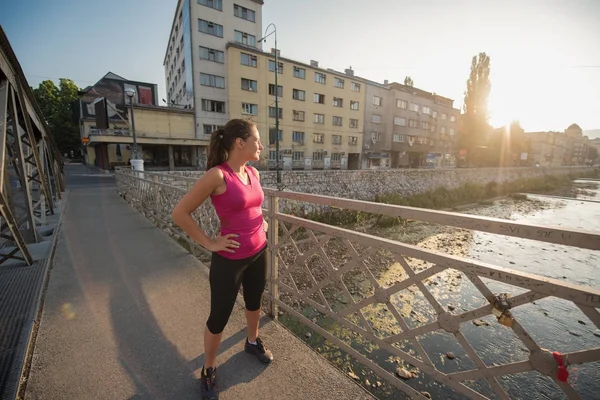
(124, 314)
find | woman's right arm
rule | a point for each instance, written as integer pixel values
(182, 213)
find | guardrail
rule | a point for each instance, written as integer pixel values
(318, 267)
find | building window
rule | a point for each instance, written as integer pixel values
(444, 116)
(298, 115)
(212, 55)
(353, 140)
(319, 98)
(338, 83)
(443, 129)
(298, 137)
(272, 90)
(355, 87)
(213, 106)
(299, 73)
(338, 102)
(244, 38)
(451, 131)
(336, 139)
(244, 13)
(210, 28)
(298, 156)
(209, 129)
(318, 155)
(248, 59)
(353, 123)
(414, 107)
(376, 119)
(425, 125)
(272, 67)
(273, 155)
(353, 105)
(212, 81)
(377, 100)
(298, 94)
(413, 123)
(319, 118)
(336, 157)
(401, 104)
(453, 118)
(320, 78)
(376, 136)
(273, 113)
(434, 114)
(426, 110)
(398, 138)
(337, 121)
(251, 109)
(433, 128)
(249, 85)
(216, 4)
(399, 121)
(318, 138)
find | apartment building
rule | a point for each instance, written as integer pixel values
(195, 59)
(320, 110)
(406, 127)
(548, 149)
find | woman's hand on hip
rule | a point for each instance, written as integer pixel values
(225, 243)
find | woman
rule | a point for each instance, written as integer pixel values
(239, 252)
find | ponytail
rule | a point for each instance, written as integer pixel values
(217, 154)
(223, 139)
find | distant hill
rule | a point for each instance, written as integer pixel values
(592, 133)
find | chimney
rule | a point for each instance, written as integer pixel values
(386, 82)
(278, 52)
(349, 71)
(314, 63)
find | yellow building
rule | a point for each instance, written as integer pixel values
(166, 136)
(320, 111)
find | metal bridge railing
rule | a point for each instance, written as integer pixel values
(340, 275)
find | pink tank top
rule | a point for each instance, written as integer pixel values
(240, 212)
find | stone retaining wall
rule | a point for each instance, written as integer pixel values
(367, 184)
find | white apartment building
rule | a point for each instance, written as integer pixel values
(195, 59)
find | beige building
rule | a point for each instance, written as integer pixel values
(568, 148)
(320, 110)
(195, 60)
(548, 149)
(406, 127)
(166, 136)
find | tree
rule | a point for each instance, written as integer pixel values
(56, 105)
(475, 128)
(408, 81)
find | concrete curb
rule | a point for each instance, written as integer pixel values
(39, 303)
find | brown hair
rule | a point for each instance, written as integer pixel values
(222, 140)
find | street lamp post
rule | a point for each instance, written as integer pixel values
(136, 162)
(276, 69)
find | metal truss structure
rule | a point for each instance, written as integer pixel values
(31, 178)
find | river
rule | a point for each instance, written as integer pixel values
(555, 324)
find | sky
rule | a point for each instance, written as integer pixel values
(545, 54)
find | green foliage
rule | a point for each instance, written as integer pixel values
(56, 105)
(474, 129)
(408, 81)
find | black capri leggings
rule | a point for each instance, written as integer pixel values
(225, 278)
